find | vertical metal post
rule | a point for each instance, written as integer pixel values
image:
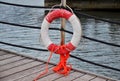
(63, 21)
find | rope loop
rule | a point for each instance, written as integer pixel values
(61, 7)
(61, 49)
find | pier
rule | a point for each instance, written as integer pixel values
(19, 67)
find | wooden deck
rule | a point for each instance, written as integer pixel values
(17, 67)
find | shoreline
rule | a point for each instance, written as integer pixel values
(89, 5)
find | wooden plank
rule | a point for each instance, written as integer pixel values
(2, 53)
(24, 73)
(14, 64)
(18, 69)
(86, 77)
(99, 79)
(3, 57)
(10, 60)
(51, 77)
(70, 77)
(113, 80)
(32, 76)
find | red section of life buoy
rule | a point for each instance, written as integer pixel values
(58, 13)
(61, 49)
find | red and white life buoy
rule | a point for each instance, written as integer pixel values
(71, 17)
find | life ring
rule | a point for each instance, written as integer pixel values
(71, 17)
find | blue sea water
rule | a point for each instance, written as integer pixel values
(87, 49)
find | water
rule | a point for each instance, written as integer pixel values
(87, 49)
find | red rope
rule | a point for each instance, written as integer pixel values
(62, 67)
(46, 69)
(63, 50)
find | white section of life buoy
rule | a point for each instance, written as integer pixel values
(77, 31)
(44, 33)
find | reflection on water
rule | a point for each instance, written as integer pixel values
(87, 49)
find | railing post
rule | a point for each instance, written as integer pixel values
(63, 21)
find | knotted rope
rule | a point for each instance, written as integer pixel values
(64, 52)
(62, 67)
